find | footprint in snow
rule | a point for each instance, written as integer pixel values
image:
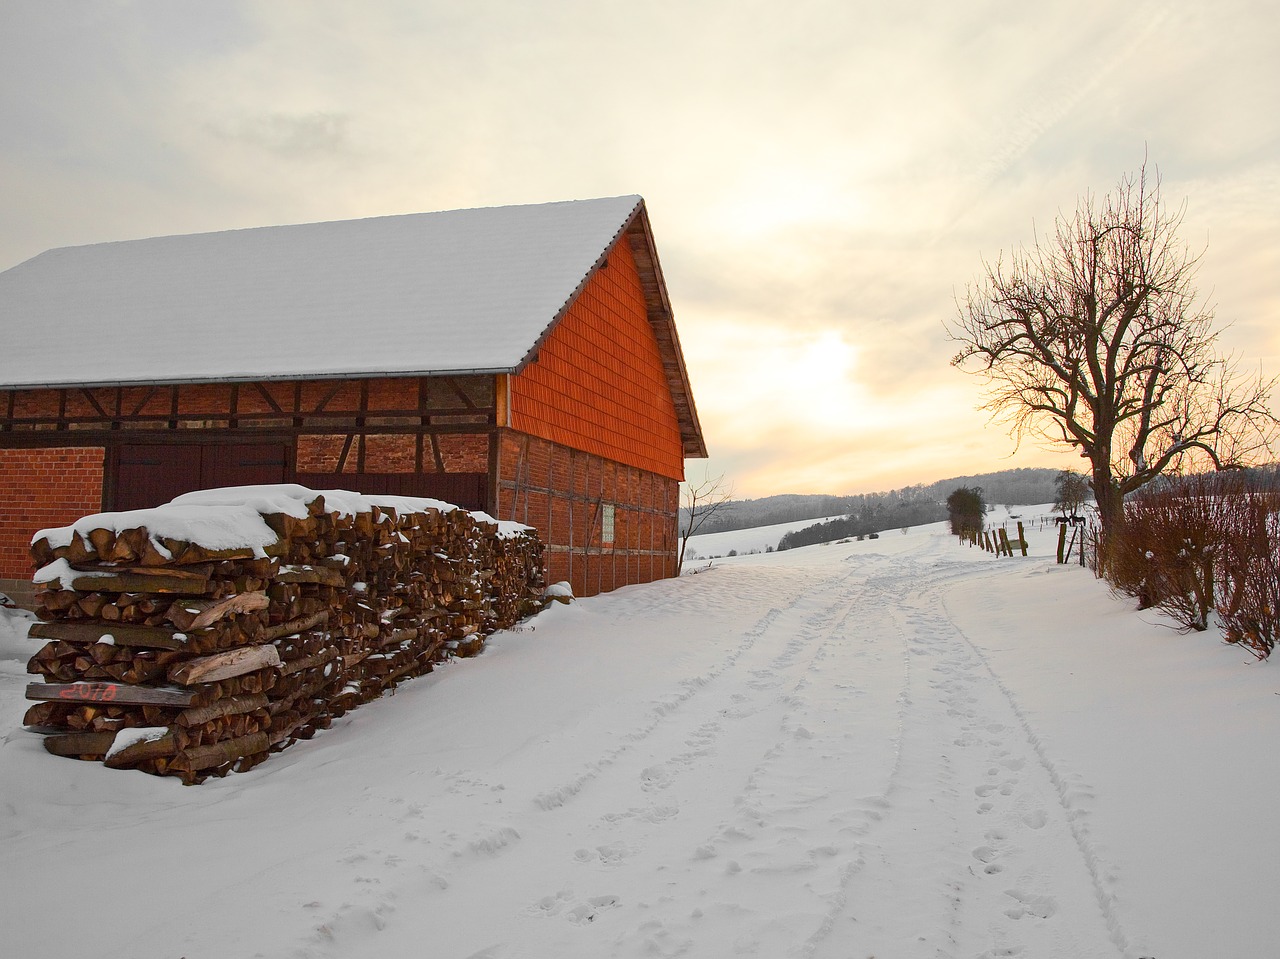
(655, 777)
(1037, 907)
(987, 855)
(590, 910)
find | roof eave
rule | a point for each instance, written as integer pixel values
(255, 378)
(662, 319)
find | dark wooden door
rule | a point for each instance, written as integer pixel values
(241, 464)
(148, 474)
(151, 474)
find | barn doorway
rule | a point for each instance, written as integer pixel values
(148, 474)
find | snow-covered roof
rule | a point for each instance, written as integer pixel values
(453, 292)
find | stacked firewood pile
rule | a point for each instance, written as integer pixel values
(188, 641)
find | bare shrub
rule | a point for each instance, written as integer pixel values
(1172, 546)
(1249, 602)
(1123, 561)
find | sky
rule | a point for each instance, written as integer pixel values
(823, 177)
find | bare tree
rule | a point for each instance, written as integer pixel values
(1073, 492)
(700, 503)
(1094, 339)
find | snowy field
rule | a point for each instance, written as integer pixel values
(895, 748)
(756, 539)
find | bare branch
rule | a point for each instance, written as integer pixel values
(1094, 339)
(702, 502)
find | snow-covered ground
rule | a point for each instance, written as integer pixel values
(901, 747)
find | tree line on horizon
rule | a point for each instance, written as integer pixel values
(908, 506)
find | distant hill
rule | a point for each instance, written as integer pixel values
(909, 506)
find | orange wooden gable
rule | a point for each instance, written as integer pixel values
(598, 382)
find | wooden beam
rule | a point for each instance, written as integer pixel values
(146, 398)
(172, 583)
(147, 637)
(266, 395)
(93, 401)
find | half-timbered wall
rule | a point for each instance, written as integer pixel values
(424, 436)
(606, 524)
(351, 409)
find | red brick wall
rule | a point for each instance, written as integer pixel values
(393, 453)
(390, 453)
(598, 383)
(320, 454)
(40, 488)
(464, 453)
(562, 491)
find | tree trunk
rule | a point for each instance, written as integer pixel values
(1110, 502)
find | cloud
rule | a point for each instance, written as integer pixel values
(307, 135)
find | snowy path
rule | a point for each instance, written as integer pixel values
(821, 755)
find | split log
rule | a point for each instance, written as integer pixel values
(310, 574)
(204, 613)
(80, 745)
(229, 750)
(233, 662)
(142, 750)
(230, 706)
(309, 662)
(295, 626)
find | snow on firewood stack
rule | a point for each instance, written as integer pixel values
(195, 638)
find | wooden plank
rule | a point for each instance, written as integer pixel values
(134, 583)
(192, 574)
(233, 662)
(149, 637)
(121, 693)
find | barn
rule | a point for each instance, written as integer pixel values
(521, 360)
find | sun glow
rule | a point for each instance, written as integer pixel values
(758, 381)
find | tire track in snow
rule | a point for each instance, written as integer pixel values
(759, 704)
(958, 863)
(1068, 794)
(645, 764)
(558, 795)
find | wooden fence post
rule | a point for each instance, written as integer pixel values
(1062, 543)
(1022, 538)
